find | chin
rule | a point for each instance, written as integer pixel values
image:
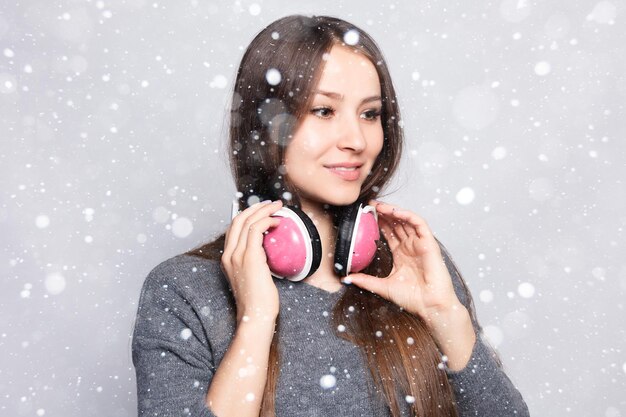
(341, 200)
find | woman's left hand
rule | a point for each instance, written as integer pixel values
(419, 281)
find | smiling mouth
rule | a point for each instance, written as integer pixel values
(346, 173)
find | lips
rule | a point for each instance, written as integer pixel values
(349, 171)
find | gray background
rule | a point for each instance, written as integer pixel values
(112, 129)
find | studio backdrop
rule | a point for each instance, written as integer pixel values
(112, 132)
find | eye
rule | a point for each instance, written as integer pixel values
(323, 112)
(371, 115)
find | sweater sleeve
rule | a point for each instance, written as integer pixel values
(173, 361)
(481, 388)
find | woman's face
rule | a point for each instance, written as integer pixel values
(333, 150)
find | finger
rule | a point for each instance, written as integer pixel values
(392, 240)
(256, 233)
(262, 209)
(379, 286)
(398, 228)
(387, 211)
(414, 222)
(264, 212)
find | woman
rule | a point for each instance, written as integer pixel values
(314, 124)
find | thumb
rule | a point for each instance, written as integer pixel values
(368, 282)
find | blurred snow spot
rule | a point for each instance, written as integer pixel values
(603, 13)
(415, 76)
(88, 239)
(8, 83)
(8, 53)
(328, 381)
(185, 334)
(514, 10)
(275, 35)
(41, 412)
(517, 36)
(542, 68)
(219, 81)
(351, 37)
(42, 221)
(526, 290)
(98, 389)
(88, 212)
(341, 328)
(161, 214)
(475, 107)
(409, 399)
(494, 335)
(273, 76)
(465, 196)
(599, 273)
(182, 227)
(141, 238)
(28, 69)
(205, 311)
(486, 296)
(78, 64)
(379, 333)
(624, 367)
(514, 102)
(541, 189)
(254, 9)
(516, 324)
(253, 199)
(250, 396)
(498, 153)
(55, 283)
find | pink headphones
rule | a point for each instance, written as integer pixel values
(294, 250)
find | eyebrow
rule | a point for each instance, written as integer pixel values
(339, 97)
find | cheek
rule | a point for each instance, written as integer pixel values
(377, 140)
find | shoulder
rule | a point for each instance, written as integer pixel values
(188, 276)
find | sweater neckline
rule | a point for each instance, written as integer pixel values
(312, 289)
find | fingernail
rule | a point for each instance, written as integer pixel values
(346, 280)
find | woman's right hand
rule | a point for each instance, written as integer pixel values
(245, 263)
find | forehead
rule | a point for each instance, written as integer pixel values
(346, 68)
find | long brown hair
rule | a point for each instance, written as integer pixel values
(400, 351)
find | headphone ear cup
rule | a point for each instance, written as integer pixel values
(314, 238)
(356, 239)
(293, 248)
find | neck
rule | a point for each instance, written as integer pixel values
(325, 276)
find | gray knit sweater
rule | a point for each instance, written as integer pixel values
(185, 321)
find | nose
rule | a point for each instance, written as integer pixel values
(350, 135)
